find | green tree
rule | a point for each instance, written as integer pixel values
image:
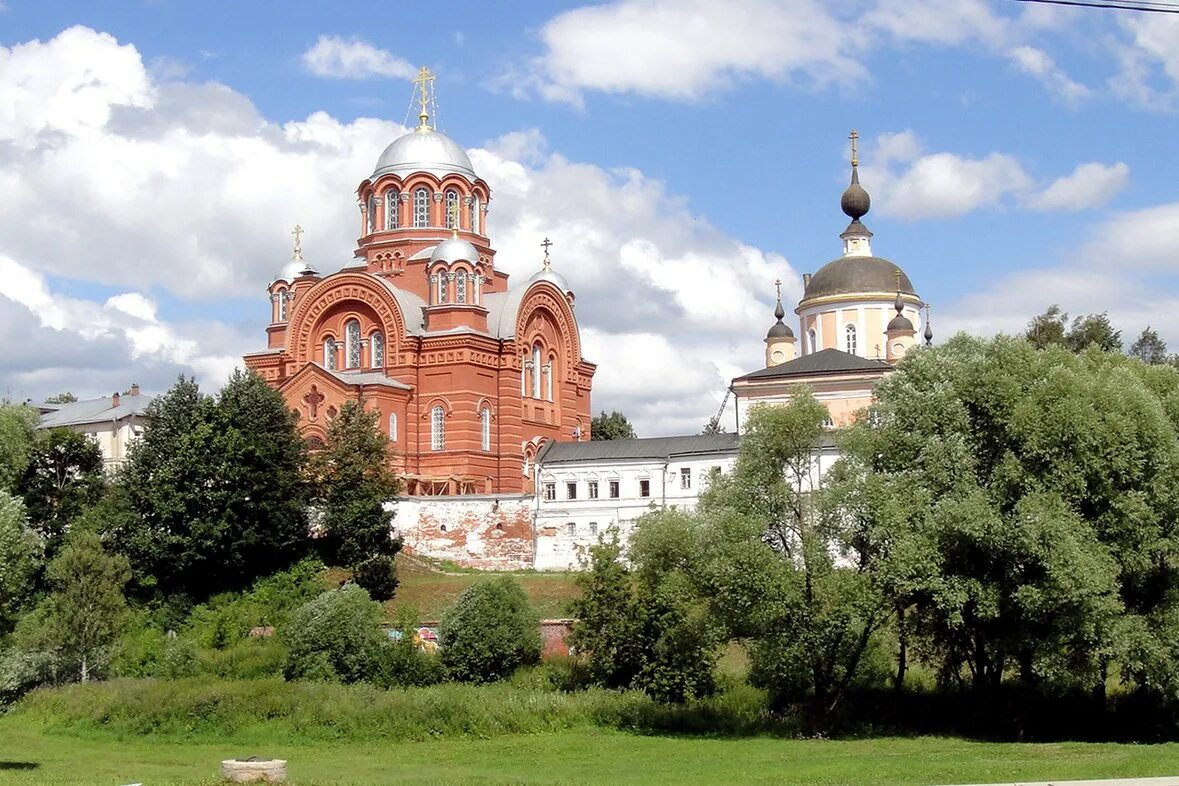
(1150, 348)
(86, 608)
(336, 636)
(62, 398)
(1048, 329)
(609, 630)
(218, 489)
(489, 632)
(611, 426)
(21, 551)
(1094, 330)
(355, 482)
(713, 426)
(18, 432)
(64, 476)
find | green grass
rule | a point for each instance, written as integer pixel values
(30, 755)
(431, 587)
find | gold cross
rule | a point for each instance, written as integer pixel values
(546, 243)
(897, 275)
(778, 286)
(422, 82)
(853, 136)
(297, 251)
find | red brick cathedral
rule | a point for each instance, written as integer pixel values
(469, 375)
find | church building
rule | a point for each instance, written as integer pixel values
(469, 372)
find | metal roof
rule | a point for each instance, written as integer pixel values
(366, 378)
(95, 410)
(638, 449)
(826, 361)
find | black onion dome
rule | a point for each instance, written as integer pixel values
(855, 200)
(900, 322)
(780, 330)
(853, 275)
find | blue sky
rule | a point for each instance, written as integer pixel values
(681, 155)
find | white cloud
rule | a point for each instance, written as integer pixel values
(1149, 59)
(1038, 63)
(1090, 185)
(352, 58)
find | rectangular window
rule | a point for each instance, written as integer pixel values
(644, 488)
(550, 491)
(593, 489)
(614, 489)
(570, 529)
(685, 478)
(593, 529)
(571, 491)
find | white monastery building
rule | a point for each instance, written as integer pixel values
(111, 422)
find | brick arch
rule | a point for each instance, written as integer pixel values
(547, 301)
(342, 288)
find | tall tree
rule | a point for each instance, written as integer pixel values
(18, 432)
(713, 426)
(1094, 330)
(20, 559)
(354, 483)
(611, 426)
(1150, 348)
(86, 608)
(1047, 329)
(64, 476)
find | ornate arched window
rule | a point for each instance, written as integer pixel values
(443, 279)
(372, 213)
(812, 346)
(437, 428)
(452, 209)
(329, 354)
(392, 208)
(485, 427)
(548, 378)
(460, 287)
(477, 287)
(282, 305)
(850, 339)
(376, 343)
(352, 344)
(474, 214)
(421, 207)
(393, 427)
(536, 366)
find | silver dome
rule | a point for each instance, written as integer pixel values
(453, 249)
(551, 276)
(424, 150)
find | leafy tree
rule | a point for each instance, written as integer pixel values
(86, 608)
(62, 398)
(336, 636)
(1048, 329)
(489, 632)
(1150, 348)
(612, 426)
(1094, 330)
(378, 576)
(20, 559)
(64, 476)
(218, 487)
(18, 432)
(713, 426)
(355, 482)
(609, 630)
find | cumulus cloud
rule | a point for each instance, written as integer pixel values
(1039, 64)
(1149, 60)
(352, 58)
(1090, 185)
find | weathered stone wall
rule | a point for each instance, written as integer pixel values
(487, 531)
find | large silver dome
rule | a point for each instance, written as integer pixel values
(424, 150)
(454, 249)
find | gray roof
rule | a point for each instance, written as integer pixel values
(826, 361)
(95, 410)
(424, 150)
(366, 378)
(850, 275)
(637, 449)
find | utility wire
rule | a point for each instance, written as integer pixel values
(1151, 6)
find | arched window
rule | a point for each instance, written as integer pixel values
(352, 344)
(460, 287)
(372, 214)
(536, 361)
(282, 305)
(485, 427)
(452, 209)
(850, 339)
(442, 288)
(437, 428)
(376, 344)
(393, 427)
(548, 378)
(392, 208)
(477, 287)
(421, 207)
(474, 214)
(329, 354)
(812, 346)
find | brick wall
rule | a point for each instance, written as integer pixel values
(488, 532)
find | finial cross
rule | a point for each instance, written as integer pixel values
(297, 250)
(778, 286)
(453, 213)
(422, 83)
(854, 137)
(546, 243)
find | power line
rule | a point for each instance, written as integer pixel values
(1150, 6)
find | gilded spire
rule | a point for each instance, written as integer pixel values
(423, 84)
(854, 137)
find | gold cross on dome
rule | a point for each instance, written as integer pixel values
(778, 286)
(297, 250)
(546, 243)
(422, 83)
(854, 136)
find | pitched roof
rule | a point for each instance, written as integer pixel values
(95, 410)
(637, 449)
(366, 378)
(825, 361)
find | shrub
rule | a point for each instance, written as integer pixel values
(229, 617)
(402, 664)
(378, 576)
(336, 636)
(489, 632)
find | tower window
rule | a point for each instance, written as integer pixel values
(452, 211)
(372, 214)
(437, 428)
(460, 287)
(421, 207)
(850, 339)
(282, 305)
(474, 222)
(393, 427)
(352, 343)
(329, 354)
(442, 288)
(392, 208)
(811, 341)
(485, 427)
(377, 345)
(536, 356)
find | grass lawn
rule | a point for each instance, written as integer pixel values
(31, 756)
(431, 587)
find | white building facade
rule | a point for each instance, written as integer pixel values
(113, 423)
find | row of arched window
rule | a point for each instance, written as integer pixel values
(438, 428)
(354, 348)
(467, 286)
(419, 211)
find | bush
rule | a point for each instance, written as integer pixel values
(401, 664)
(229, 617)
(489, 632)
(378, 576)
(334, 637)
